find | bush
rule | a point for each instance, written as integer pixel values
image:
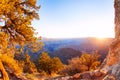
(49, 65)
(86, 62)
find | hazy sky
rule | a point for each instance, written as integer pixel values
(75, 18)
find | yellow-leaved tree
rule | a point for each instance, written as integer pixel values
(29, 67)
(15, 28)
(49, 65)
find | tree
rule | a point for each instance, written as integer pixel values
(57, 65)
(44, 62)
(90, 60)
(49, 65)
(16, 16)
(86, 62)
(11, 64)
(34, 46)
(29, 66)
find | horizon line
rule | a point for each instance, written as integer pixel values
(72, 37)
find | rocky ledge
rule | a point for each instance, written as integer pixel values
(90, 75)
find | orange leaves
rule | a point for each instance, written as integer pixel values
(11, 63)
(29, 66)
(31, 2)
(85, 62)
(49, 65)
(17, 15)
(3, 40)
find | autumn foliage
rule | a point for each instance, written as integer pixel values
(86, 62)
(29, 66)
(16, 17)
(49, 65)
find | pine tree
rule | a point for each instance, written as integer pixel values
(57, 65)
(44, 62)
(49, 65)
(29, 66)
(16, 16)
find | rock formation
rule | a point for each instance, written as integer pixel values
(112, 64)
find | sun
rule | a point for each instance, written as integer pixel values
(101, 37)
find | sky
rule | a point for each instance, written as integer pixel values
(75, 18)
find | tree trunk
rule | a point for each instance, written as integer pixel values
(3, 72)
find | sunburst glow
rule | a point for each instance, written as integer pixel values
(83, 19)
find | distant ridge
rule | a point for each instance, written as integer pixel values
(60, 46)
